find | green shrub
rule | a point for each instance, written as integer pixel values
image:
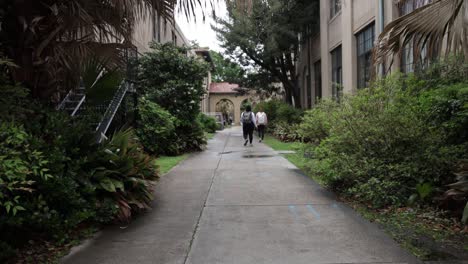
(287, 113)
(379, 145)
(175, 82)
(208, 123)
(286, 132)
(282, 119)
(21, 166)
(187, 138)
(122, 171)
(155, 127)
(317, 122)
(270, 108)
(55, 178)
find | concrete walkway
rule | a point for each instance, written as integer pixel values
(242, 205)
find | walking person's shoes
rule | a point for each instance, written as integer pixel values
(260, 141)
(246, 141)
(251, 145)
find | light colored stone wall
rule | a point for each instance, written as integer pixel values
(341, 30)
(145, 32)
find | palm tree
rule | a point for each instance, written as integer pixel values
(51, 40)
(441, 27)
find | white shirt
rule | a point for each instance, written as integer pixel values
(254, 121)
(262, 115)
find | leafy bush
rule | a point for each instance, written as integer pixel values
(381, 144)
(54, 177)
(21, 166)
(190, 137)
(287, 113)
(286, 132)
(155, 127)
(316, 123)
(175, 82)
(270, 108)
(122, 171)
(282, 119)
(209, 123)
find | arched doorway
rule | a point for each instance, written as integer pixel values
(226, 107)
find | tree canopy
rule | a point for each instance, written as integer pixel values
(50, 41)
(266, 36)
(226, 70)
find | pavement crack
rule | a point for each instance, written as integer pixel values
(205, 202)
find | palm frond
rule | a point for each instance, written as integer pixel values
(441, 27)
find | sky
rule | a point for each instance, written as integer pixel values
(200, 31)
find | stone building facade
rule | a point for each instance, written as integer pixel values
(337, 58)
(155, 28)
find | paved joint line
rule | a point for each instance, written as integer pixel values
(372, 262)
(204, 204)
(266, 205)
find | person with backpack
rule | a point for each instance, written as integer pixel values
(262, 121)
(248, 124)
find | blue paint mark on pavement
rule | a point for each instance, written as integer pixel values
(292, 210)
(313, 211)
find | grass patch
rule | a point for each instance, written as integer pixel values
(278, 145)
(166, 163)
(209, 136)
(295, 158)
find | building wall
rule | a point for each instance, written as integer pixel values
(341, 30)
(155, 28)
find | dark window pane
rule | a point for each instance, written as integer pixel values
(337, 74)
(365, 43)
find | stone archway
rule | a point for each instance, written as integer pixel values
(226, 107)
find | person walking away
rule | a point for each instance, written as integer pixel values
(248, 124)
(262, 121)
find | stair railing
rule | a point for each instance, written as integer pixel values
(61, 106)
(103, 126)
(78, 106)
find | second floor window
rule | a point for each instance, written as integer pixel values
(335, 7)
(365, 43)
(337, 73)
(408, 54)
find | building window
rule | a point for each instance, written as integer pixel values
(337, 73)
(365, 43)
(409, 6)
(335, 7)
(318, 79)
(408, 54)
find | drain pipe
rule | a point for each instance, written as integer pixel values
(381, 28)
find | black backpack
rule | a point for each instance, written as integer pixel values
(247, 118)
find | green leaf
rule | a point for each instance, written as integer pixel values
(465, 214)
(118, 185)
(108, 185)
(412, 199)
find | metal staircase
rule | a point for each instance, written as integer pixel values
(102, 115)
(73, 101)
(114, 105)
